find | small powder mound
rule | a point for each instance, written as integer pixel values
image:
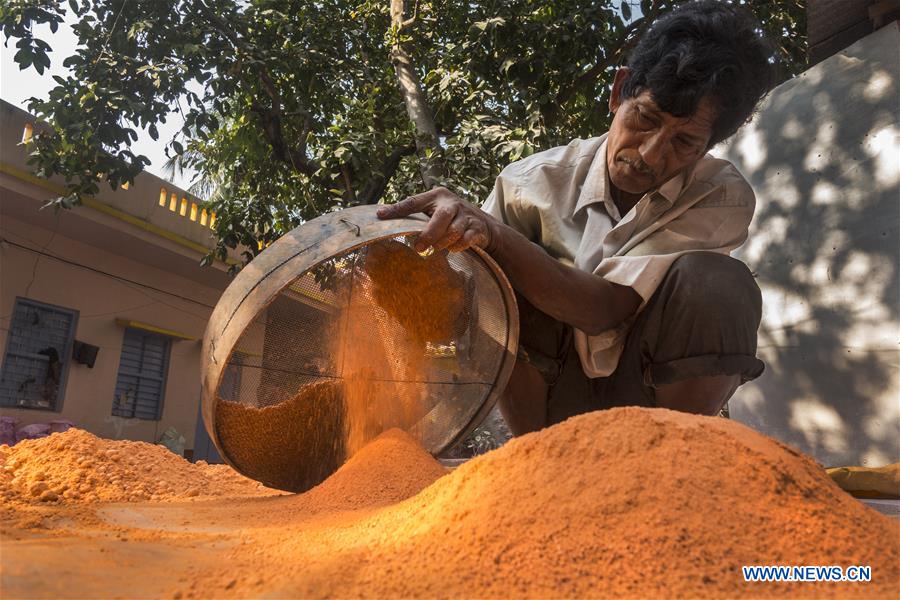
(78, 467)
(628, 502)
(391, 468)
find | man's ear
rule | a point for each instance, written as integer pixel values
(615, 97)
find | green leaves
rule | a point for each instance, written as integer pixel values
(33, 52)
(289, 109)
(19, 19)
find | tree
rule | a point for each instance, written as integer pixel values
(295, 108)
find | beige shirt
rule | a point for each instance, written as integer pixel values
(560, 200)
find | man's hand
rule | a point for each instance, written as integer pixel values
(582, 299)
(454, 223)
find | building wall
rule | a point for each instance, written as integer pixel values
(823, 156)
(101, 299)
(151, 233)
(832, 25)
(160, 212)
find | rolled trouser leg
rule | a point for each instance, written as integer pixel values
(547, 383)
(701, 323)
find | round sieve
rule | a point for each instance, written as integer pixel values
(339, 331)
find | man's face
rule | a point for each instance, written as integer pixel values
(646, 146)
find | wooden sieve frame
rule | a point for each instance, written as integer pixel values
(259, 283)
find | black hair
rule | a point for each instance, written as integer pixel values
(704, 48)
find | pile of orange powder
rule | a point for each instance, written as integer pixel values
(628, 502)
(77, 466)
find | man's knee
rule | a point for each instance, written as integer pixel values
(716, 286)
(702, 321)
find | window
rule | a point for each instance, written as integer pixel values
(27, 133)
(141, 383)
(36, 361)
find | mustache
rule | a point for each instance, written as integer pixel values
(637, 164)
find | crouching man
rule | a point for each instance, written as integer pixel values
(618, 246)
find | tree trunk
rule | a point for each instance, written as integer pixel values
(416, 104)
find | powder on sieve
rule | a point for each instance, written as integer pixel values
(397, 302)
(424, 294)
(390, 308)
(292, 445)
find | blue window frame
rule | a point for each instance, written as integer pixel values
(141, 382)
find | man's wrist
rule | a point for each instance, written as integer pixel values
(493, 231)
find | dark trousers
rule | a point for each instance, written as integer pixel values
(702, 321)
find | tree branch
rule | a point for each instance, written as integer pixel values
(349, 192)
(416, 103)
(376, 186)
(412, 20)
(222, 27)
(271, 117)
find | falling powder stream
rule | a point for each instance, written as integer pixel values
(397, 303)
(392, 304)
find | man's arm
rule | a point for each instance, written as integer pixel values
(583, 300)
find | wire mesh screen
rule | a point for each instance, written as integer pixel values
(375, 338)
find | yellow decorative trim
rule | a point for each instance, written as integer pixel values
(153, 329)
(33, 179)
(142, 224)
(109, 210)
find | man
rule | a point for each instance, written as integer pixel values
(618, 246)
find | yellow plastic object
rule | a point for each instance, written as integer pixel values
(867, 482)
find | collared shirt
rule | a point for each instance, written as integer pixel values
(560, 199)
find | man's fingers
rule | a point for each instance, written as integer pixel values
(459, 245)
(453, 232)
(476, 236)
(404, 208)
(437, 226)
(408, 206)
(453, 223)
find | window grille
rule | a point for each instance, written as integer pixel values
(141, 383)
(36, 361)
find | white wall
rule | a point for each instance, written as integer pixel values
(824, 158)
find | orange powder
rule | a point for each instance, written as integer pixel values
(392, 303)
(396, 303)
(628, 502)
(292, 445)
(77, 467)
(424, 294)
(389, 469)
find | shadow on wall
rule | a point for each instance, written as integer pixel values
(823, 155)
